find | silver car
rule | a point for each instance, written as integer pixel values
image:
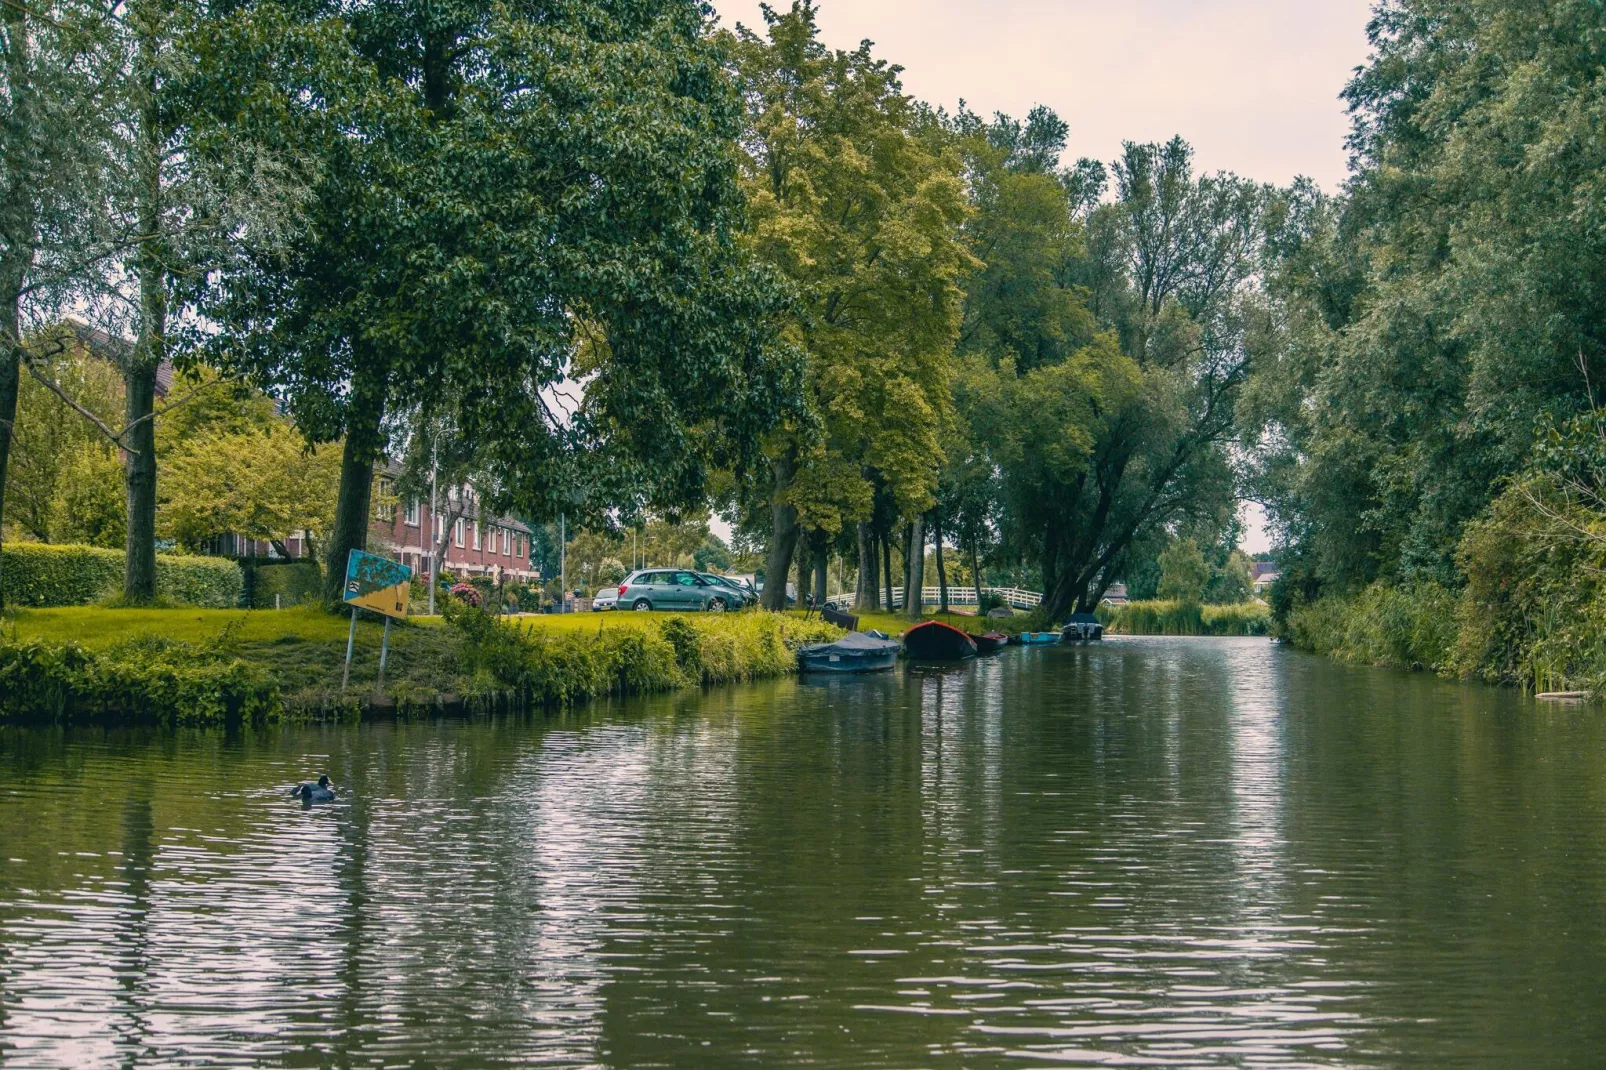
(605, 599)
(674, 589)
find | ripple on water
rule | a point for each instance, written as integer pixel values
(1150, 853)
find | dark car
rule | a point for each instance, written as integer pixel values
(744, 593)
(674, 589)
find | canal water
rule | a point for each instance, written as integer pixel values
(1145, 853)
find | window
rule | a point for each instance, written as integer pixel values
(507, 541)
(490, 540)
(686, 579)
(386, 512)
(476, 534)
(457, 532)
(410, 518)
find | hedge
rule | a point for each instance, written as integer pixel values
(294, 583)
(43, 574)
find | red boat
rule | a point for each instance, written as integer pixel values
(936, 641)
(991, 643)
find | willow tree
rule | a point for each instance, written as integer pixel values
(856, 197)
(512, 197)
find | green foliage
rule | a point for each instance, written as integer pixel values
(293, 583)
(38, 574)
(1396, 627)
(91, 504)
(1185, 618)
(143, 680)
(1184, 573)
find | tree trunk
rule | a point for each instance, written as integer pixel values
(886, 568)
(942, 573)
(975, 573)
(804, 573)
(783, 537)
(363, 447)
(139, 375)
(867, 594)
(14, 270)
(915, 570)
(822, 577)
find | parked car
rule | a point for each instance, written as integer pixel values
(674, 589)
(746, 594)
(605, 599)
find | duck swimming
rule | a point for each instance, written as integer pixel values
(322, 791)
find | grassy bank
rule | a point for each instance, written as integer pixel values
(225, 666)
(1176, 618)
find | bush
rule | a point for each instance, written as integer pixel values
(468, 594)
(42, 574)
(294, 583)
(150, 679)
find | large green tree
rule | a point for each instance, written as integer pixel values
(1449, 303)
(511, 198)
(856, 196)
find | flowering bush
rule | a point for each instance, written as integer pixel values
(467, 593)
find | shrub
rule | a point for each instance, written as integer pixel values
(150, 679)
(467, 593)
(293, 582)
(41, 574)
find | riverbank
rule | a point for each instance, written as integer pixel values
(201, 666)
(1177, 618)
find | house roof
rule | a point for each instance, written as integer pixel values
(115, 349)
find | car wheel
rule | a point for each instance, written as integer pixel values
(641, 605)
(716, 605)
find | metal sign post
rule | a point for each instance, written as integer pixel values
(382, 586)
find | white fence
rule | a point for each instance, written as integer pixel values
(957, 596)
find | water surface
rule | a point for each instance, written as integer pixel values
(1145, 853)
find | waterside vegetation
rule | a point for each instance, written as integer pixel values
(187, 666)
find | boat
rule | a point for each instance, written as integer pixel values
(1039, 638)
(991, 642)
(856, 652)
(1083, 628)
(935, 641)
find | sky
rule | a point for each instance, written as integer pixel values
(1253, 84)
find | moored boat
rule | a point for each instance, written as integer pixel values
(935, 641)
(1039, 638)
(1083, 628)
(856, 652)
(991, 642)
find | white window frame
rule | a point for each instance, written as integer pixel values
(476, 534)
(410, 516)
(457, 533)
(507, 543)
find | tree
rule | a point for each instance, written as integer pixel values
(1184, 573)
(264, 484)
(856, 197)
(1448, 304)
(555, 186)
(54, 125)
(1170, 272)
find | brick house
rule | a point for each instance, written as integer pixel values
(480, 544)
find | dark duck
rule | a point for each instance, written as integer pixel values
(322, 791)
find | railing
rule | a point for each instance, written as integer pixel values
(957, 596)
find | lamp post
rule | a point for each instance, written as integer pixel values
(434, 472)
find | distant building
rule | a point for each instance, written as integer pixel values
(1262, 574)
(479, 544)
(1116, 595)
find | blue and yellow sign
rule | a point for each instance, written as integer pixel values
(377, 583)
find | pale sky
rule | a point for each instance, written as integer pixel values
(1253, 84)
